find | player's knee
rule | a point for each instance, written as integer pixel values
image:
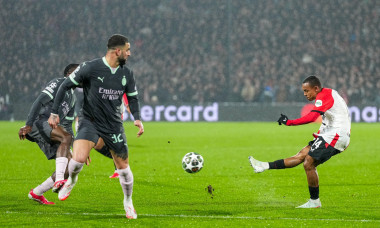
(67, 139)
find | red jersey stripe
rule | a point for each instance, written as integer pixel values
(335, 139)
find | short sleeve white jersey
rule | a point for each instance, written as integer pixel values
(336, 121)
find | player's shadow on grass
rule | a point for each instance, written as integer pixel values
(17, 203)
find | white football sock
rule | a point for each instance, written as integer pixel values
(60, 167)
(266, 165)
(126, 182)
(74, 169)
(44, 187)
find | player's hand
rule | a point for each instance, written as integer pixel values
(23, 131)
(283, 119)
(53, 120)
(139, 124)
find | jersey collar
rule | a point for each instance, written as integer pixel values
(113, 70)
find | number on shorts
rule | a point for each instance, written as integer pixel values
(117, 139)
(316, 144)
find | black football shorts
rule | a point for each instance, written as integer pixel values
(116, 141)
(41, 132)
(321, 151)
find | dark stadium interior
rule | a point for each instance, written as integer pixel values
(198, 51)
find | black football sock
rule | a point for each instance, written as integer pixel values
(314, 192)
(279, 164)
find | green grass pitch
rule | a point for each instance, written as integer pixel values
(166, 196)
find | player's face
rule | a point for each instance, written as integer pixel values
(123, 53)
(310, 92)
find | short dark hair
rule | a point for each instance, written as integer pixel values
(116, 40)
(69, 68)
(313, 81)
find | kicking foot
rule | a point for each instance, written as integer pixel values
(257, 166)
(40, 199)
(311, 204)
(58, 185)
(115, 175)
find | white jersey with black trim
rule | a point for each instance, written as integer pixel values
(336, 120)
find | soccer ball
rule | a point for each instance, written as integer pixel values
(192, 162)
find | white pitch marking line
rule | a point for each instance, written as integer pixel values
(202, 216)
(259, 218)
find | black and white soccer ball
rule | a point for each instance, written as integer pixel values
(192, 162)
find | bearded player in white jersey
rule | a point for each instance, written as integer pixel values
(332, 138)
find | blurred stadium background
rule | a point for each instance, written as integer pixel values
(207, 60)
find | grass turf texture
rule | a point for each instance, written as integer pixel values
(165, 195)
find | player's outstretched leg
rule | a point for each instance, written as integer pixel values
(39, 198)
(74, 169)
(258, 166)
(311, 204)
(126, 182)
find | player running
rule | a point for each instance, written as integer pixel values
(78, 119)
(332, 138)
(55, 143)
(79, 116)
(104, 81)
(125, 102)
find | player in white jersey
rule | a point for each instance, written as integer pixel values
(332, 138)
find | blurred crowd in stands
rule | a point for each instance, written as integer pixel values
(198, 51)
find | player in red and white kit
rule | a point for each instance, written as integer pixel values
(332, 138)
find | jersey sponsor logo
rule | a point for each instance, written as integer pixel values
(318, 103)
(110, 91)
(101, 79)
(110, 94)
(124, 81)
